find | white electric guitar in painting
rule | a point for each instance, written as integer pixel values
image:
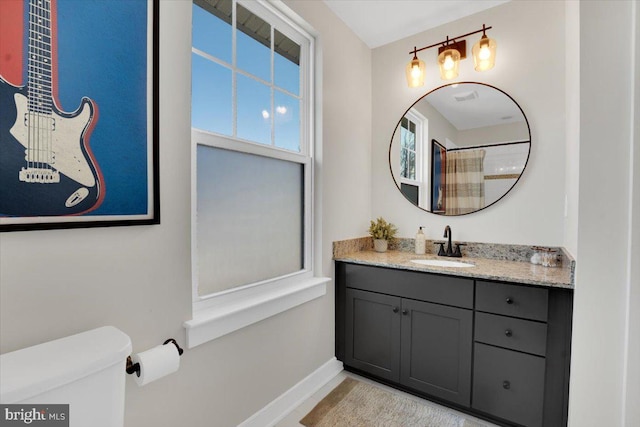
(46, 165)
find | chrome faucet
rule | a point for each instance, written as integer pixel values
(449, 250)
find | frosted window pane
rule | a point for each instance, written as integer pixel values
(249, 218)
(211, 107)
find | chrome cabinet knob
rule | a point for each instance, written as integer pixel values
(508, 332)
(396, 309)
(509, 300)
(506, 385)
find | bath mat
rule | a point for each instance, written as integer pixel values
(357, 404)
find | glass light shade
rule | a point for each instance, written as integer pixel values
(484, 54)
(448, 61)
(415, 72)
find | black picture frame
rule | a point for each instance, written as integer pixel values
(438, 177)
(53, 204)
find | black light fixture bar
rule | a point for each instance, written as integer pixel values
(449, 40)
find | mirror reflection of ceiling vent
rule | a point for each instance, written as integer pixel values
(466, 96)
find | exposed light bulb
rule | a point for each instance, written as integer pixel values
(265, 114)
(415, 71)
(281, 109)
(485, 52)
(448, 63)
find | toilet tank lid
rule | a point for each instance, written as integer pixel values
(34, 370)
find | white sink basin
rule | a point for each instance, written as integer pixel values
(442, 263)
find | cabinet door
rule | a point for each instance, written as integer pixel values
(372, 333)
(436, 350)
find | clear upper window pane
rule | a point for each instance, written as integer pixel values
(286, 63)
(408, 134)
(249, 214)
(211, 96)
(254, 110)
(408, 149)
(253, 38)
(212, 28)
(287, 121)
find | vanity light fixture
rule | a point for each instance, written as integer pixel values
(484, 52)
(415, 71)
(450, 52)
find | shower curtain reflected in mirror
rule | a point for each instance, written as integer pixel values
(464, 181)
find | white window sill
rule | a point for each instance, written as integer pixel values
(219, 319)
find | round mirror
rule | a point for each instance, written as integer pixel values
(459, 148)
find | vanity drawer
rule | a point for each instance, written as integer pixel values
(508, 332)
(512, 300)
(509, 385)
(448, 290)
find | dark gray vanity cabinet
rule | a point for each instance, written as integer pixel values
(420, 337)
(497, 350)
(510, 348)
(522, 353)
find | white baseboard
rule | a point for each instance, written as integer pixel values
(292, 398)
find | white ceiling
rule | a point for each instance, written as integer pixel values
(379, 22)
(471, 105)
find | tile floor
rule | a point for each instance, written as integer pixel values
(292, 420)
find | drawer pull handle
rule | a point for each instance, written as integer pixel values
(508, 332)
(506, 385)
(395, 309)
(509, 300)
(405, 311)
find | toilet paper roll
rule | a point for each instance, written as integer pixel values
(156, 363)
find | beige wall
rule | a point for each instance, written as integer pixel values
(632, 374)
(56, 283)
(536, 85)
(604, 363)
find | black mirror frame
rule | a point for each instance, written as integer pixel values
(422, 97)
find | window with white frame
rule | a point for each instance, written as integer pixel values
(413, 133)
(408, 150)
(252, 148)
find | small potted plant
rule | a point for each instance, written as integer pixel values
(382, 231)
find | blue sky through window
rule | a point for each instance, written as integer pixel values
(256, 114)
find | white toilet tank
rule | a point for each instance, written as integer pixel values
(86, 371)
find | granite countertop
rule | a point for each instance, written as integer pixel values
(485, 268)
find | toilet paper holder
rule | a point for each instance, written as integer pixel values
(135, 367)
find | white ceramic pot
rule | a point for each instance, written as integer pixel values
(380, 245)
